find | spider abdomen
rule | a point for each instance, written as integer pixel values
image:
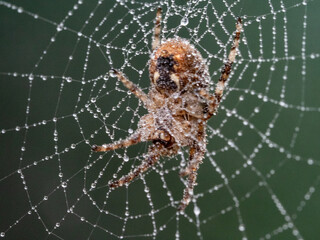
(177, 62)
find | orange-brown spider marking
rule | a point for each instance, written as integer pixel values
(179, 105)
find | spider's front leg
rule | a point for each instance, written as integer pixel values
(153, 155)
(145, 132)
(196, 156)
(131, 140)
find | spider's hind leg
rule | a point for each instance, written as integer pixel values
(157, 30)
(131, 86)
(228, 65)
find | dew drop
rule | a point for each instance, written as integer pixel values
(112, 73)
(241, 228)
(184, 21)
(196, 210)
(272, 68)
(64, 184)
(60, 27)
(2, 234)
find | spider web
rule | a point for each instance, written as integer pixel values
(260, 177)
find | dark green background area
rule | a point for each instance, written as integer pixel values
(272, 171)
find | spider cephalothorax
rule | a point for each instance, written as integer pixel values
(178, 103)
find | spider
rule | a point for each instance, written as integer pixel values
(179, 105)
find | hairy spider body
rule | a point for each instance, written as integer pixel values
(179, 105)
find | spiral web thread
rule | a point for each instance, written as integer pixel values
(260, 177)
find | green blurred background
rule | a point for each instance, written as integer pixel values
(260, 178)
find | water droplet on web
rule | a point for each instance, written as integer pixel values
(310, 161)
(126, 158)
(93, 100)
(60, 27)
(20, 10)
(31, 77)
(130, 130)
(241, 228)
(69, 79)
(196, 211)
(112, 73)
(17, 128)
(184, 21)
(272, 68)
(64, 184)
(2, 234)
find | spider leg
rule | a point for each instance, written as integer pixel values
(131, 86)
(157, 30)
(196, 156)
(227, 66)
(153, 155)
(212, 106)
(131, 140)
